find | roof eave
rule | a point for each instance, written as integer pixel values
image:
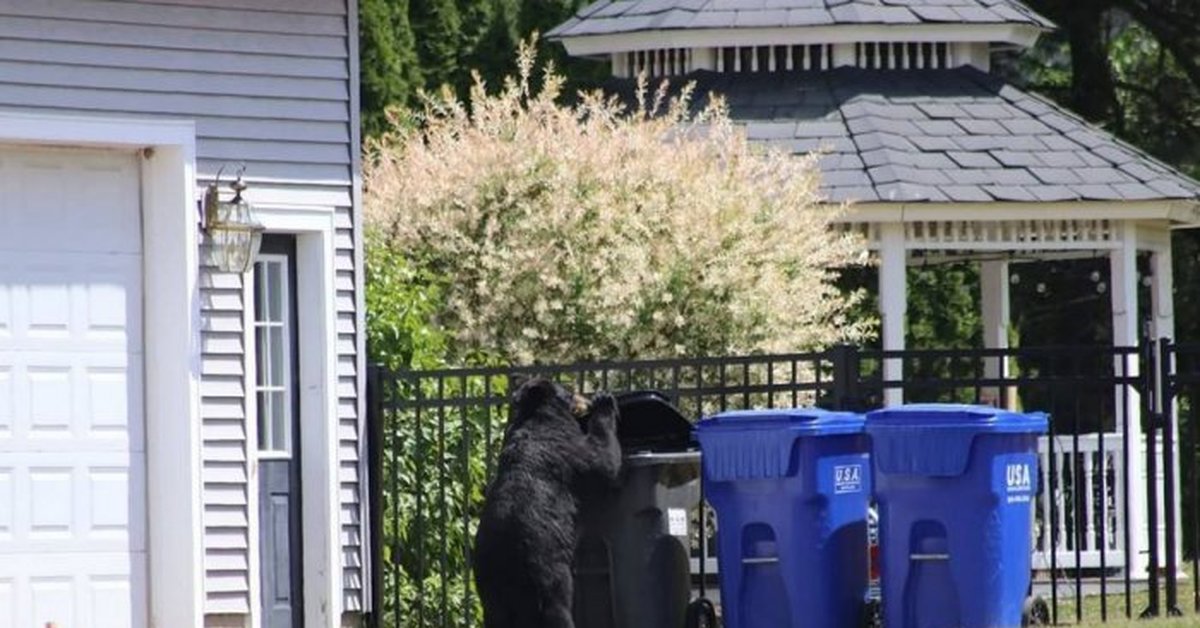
(584, 45)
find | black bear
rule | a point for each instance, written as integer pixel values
(548, 467)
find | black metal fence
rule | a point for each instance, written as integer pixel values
(436, 434)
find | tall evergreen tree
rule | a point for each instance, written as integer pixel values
(438, 28)
(494, 42)
(543, 15)
(389, 72)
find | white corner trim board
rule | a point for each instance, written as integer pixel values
(171, 339)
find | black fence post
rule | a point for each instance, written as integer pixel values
(375, 505)
(1150, 425)
(846, 375)
(1167, 413)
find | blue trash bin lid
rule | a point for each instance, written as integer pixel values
(757, 444)
(935, 439)
(983, 419)
(806, 421)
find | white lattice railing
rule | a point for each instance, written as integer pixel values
(1086, 506)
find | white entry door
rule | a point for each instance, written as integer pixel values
(72, 446)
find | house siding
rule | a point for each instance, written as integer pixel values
(268, 83)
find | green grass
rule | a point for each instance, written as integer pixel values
(1174, 622)
(1116, 607)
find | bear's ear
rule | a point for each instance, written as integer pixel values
(517, 380)
(531, 392)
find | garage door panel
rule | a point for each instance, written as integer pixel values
(8, 501)
(105, 592)
(72, 503)
(101, 201)
(81, 303)
(52, 401)
(8, 410)
(8, 606)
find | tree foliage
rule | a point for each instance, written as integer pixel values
(389, 70)
(441, 42)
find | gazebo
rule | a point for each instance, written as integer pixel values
(937, 155)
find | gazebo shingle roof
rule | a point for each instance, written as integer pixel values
(608, 17)
(956, 135)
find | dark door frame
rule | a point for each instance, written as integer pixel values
(284, 245)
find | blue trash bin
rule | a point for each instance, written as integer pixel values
(955, 487)
(790, 489)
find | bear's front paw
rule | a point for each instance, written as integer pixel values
(604, 411)
(604, 403)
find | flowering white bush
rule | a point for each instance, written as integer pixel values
(596, 231)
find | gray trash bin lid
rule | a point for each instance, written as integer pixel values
(650, 422)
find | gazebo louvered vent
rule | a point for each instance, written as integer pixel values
(897, 55)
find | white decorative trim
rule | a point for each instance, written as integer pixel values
(1010, 234)
(317, 334)
(1000, 235)
(984, 212)
(1019, 34)
(172, 341)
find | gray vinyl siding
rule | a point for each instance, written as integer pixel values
(269, 83)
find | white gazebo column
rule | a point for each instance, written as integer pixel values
(1161, 295)
(893, 304)
(994, 303)
(1128, 402)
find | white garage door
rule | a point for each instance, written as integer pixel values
(72, 454)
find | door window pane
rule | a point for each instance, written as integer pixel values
(275, 293)
(263, 369)
(280, 422)
(265, 434)
(277, 355)
(272, 336)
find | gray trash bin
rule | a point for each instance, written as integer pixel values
(632, 566)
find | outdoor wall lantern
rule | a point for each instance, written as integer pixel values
(236, 236)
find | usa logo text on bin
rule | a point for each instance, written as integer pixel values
(847, 478)
(1019, 482)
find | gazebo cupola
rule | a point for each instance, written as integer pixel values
(938, 158)
(676, 37)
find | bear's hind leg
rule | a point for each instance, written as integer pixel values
(497, 611)
(558, 598)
